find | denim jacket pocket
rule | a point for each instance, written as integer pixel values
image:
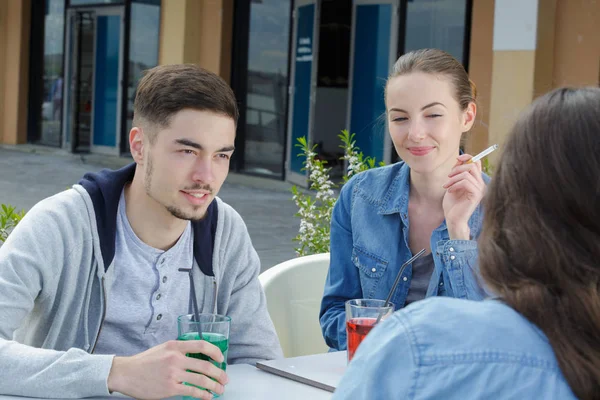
(371, 268)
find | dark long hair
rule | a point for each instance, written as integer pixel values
(540, 245)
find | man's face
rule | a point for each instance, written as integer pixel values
(188, 162)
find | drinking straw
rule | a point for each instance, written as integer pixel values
(194, 301)
(387, 301)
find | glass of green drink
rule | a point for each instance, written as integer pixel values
(215, 330)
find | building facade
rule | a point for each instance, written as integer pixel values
(299, 68)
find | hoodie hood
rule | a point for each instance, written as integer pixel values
(105, 188)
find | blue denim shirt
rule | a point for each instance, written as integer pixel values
(369, 243)
(442, 348)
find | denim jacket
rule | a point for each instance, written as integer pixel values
(369, 243)
(442, 348)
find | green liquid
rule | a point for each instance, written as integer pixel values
(214, 338)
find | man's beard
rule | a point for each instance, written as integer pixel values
(175, 211)
(178, 213)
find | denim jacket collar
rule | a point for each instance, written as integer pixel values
(395, 200)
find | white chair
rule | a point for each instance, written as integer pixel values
(294, 290)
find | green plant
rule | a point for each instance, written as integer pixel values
(357, 162)
(315, 208)
(486, 166)
(9, 218)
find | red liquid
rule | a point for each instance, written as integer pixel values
(357, 329)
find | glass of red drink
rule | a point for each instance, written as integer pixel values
(361, 315)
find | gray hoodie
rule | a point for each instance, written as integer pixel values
(53, 297)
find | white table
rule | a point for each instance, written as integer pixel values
(323, 371)
(246, 382)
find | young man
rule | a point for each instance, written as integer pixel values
(90, 287)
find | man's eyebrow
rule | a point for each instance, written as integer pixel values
(226, 149)
(189, 143)
(198, 146)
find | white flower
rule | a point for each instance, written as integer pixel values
(315, 210)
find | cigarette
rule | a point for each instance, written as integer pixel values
(482, 154)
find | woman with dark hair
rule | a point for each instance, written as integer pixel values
(539, 253)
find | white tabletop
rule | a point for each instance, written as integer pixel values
(249, 383)
(323, 371)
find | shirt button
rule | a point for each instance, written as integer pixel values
(441, 283)
(159, 317)
(451, 257)
(374, 270)
(451, 249)
(158, 296)
(405, 279)
(164, 279)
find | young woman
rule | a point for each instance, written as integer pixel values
(539, 253)
(429, 200)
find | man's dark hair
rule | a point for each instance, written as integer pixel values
(167, 89)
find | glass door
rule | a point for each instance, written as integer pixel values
(79, 61)
(262, 85)
(302, 84)
(93, 74)
(373, 52)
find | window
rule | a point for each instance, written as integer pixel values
(436, 24)
(143, 51)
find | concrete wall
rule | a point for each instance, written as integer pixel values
(198, 32)
(544, 48)
(480, 71)
(3, 44)
(513, 65)
(14, 68)
(577, 43)
(539, 45)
